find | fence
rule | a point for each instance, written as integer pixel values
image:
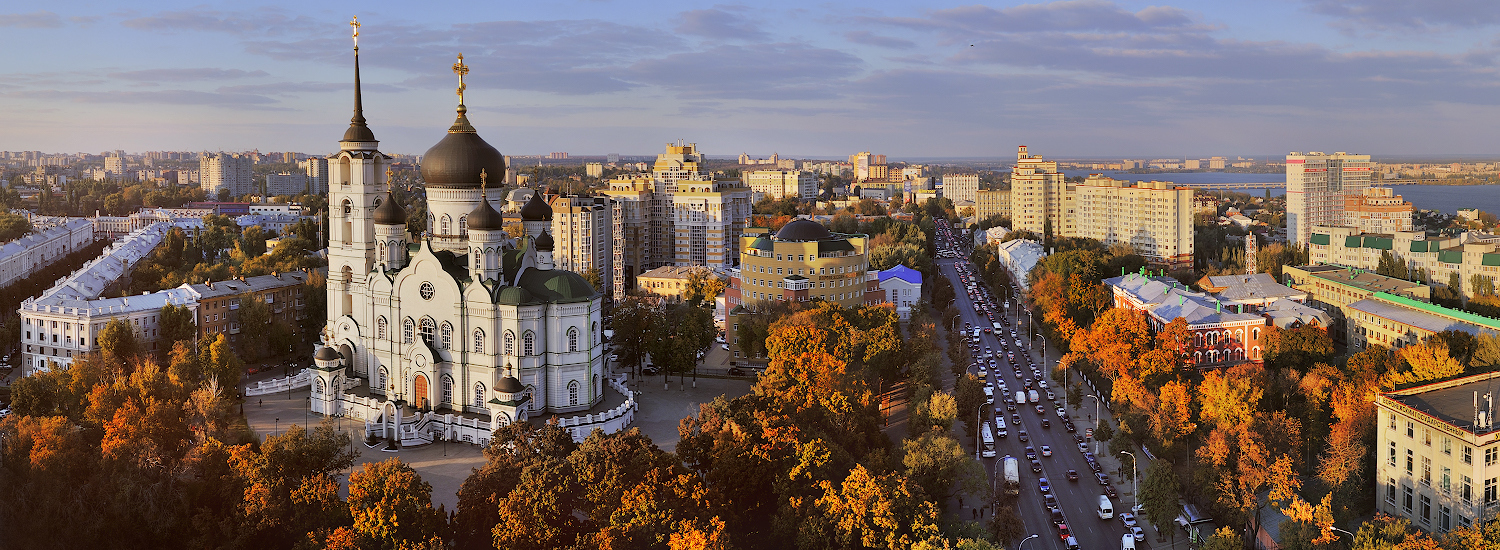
(300, 380)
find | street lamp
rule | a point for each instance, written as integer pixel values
(1022, 544)
(954, 323)
(1135, 486)
(1332, 528)
(1096, 422)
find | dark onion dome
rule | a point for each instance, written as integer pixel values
(327, 354)
(509, 384)
(456, 161)
(544, 242)
(390, 212)
(484, 217)
(803, 229)
(536, 209)
(514, 296)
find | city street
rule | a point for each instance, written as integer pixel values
(1077, 500)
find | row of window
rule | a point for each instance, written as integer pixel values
(446, 386)
(444, 339)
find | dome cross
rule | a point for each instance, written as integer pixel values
(461, 69)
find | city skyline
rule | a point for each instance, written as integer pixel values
(1085, 78)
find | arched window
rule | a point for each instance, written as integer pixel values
(447, 388)
(510, 343)
(1255, 334)
(463, 225)
(380, 327)
(478, 340)
(477, 259)
(431, 223)
(1255, 352)
(382, 381)
(479, 400)
(1197, 357)
(338, 384)
(531, 392)
(348, 208)
(381, 250)
(446, 222)
(1239, 335)
(318, 386)
(407, 328)
(447, 333)
(572, 339)
(573, 392)
(528, 343)
(427, 328)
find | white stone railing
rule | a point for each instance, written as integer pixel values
(610, 421)
(300, 380)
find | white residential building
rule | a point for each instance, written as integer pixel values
(1155, 218)
(1317, 185)
(961, 187)
(776, 184)
(223, 171)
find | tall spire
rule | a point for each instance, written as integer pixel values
(357, 131)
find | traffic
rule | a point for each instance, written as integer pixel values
(1061, 491)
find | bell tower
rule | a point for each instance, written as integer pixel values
(356, 174)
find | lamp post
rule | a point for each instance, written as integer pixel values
(1135, 486)
(275, 425)
(1096, 422)
(1336, 529)
(1022, 544)
(954, 323)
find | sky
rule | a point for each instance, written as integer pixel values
(1071, 79)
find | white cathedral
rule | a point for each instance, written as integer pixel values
(463, 318)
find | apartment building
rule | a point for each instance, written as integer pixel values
(216, 303)
(1317, 185)
(777, 184)
(583, 232)
(666, 281)
(992, 202)
(223, 171)
(1437, 453)
(286, 184)
(316, 169)
(708, 216)
(49, 240)
(1155, 218)
(961, 187)
(1332, 288)
(1469, 254)
(1377, 210)
(1041, 199)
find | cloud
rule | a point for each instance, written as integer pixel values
(1400, 15)
(33, 20)
(184, 75)
(781, 71)
(867, 38)
(717, 23)
(1067, 15)
(166, 97)
(260, 22)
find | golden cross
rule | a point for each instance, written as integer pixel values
(390, 175)
(483, 180)
(461, 69)
(355, 23)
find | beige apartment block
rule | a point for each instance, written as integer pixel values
(584, 237)
(1040, 196)
(1155, 218)
(1437, 454)
(708, 216)
(992, 202)
(776, 184)
(1468, 254)
(1378, 210)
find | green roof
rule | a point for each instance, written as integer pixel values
(1490, 259)
(1319, 238)
(557, 285)
(1419, 246)
(1471, 318)
(839, 245)
(1451, 256)
(762, 243)
(1353, 241)
(1380, 243)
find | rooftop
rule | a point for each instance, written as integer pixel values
(1253, 287)
(1423, 315)
(1359, 278)
(1453, 401)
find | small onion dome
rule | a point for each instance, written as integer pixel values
(327, 354)
(456, 161)
(803, 229)
(485, 218)
(509, 384)
(544, 242)
(390, 212)
(536, 209)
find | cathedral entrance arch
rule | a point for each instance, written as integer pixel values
(346, 354)
(419, 392)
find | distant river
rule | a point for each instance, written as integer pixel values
(1443, 198)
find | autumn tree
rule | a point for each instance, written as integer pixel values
(392, 507)
(1427, 362)
(1159, 494)
(1300, 347)
(118, 341)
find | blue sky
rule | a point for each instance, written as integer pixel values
(909, 79)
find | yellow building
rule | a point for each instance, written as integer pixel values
(666, 281)
(801, 262)
(1041, 197)
(1155, 218)
(708, 214)
(1437, 448)
(991, 202)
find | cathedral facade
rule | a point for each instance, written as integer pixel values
(464, 318)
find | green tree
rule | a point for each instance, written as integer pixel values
(633, 321)
(255, 325)
(392, 506)
(968, 396)
(1159, 495)
(222, 364)
(935, 461)
(178, 324)
(685, 333)
(117, 340)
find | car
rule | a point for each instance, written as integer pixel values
(1072, 475)
(1110, 490)
(719, 339)
(1027, 383)
(736, 371)
(1062, 530)
(1040, 410)
(1036, 467)
(1018, 374)
(1102, 477)
(1046, 450)
(1137, 533)
(1042, 485)
(1061, 412)
(1018, 343)
(1083, 448)
(650, 369)
(1128, 519)
(1079, 437)
(1016, 418)
(1046, 424)
(1049, 500)
(1094, 465)
(1030, 452)
(1051, 396)
(724, 347)
(1010, 405)
(989, 331)
(1021, 435)
(1070, 427)
(1071, 543)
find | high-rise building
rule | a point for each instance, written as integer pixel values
(1377, 210)
(584, 235)
(224, 171)
(1041, 199)
(961, 187)
(776, 184)
(708, 215)
(316, 169)
(1155, 218)
(992, 202)
(114, 165)
(594, 169)
(286, 184)
(1317, 185)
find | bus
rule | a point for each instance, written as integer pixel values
(986, 441)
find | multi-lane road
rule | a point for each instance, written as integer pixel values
(1076, 500)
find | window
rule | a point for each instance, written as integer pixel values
(1406, 499)
(572, 339)
(1445, 481)
(528, 343)
(447, 384)
(428, 327)
(447, 336)
(318, 387)
(1411, 429)
(1468, 453)
(1390, 492)
(1491, 455)
(1466, 489)
(380, 327)
(1447, 445)
(479, 400)
(1426, 510)
(382, 380)
(510, 343)
(1489, 491)
(407, 329)
(573, 392)
(478, 340)
(1426, 471)
(1393, 453)
(446, 222)
(1410, 461)
(1393, 422)
(1445, 518)
(1427, 437)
